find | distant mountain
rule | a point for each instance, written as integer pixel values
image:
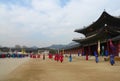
(60, 46)
(56, 46)
(34, 47)
(72, 44)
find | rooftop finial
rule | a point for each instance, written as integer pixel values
(105, 25)
(104, 10)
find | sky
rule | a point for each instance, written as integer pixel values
(42, 23)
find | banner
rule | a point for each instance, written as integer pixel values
(23, 51)
(111, 45)
(98, 47)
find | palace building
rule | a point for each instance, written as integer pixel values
(104, 34)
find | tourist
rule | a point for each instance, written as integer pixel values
(70, 58)
(96, 57)
(112, 59)
(106, 53)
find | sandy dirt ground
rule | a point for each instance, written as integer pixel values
(78, 70)
(7, 65)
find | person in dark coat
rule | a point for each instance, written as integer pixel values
(112, 61)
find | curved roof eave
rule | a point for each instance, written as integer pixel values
(101, 35)
(99, 20)
(90, 38)
(116, 38)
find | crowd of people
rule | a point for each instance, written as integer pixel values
(55, 57)
(14, 55)
(58, 57)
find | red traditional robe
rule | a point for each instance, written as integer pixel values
(61, 58)
(86, 56)
(50, 56)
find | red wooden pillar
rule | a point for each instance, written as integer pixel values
(73, 50)
(83, 51)
(87, 52)
(118, 48)
(76, 50)
(108, 47)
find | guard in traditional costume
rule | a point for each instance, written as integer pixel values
(61, 58)
(38, 56)
(57, 57)
(86, 56)
(50, 56)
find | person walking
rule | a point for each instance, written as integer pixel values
(112, 61)
(70, 58)
(61, 58)
(96, 57)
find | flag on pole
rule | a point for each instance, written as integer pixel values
(112, 46)
(102, 52)
(98, 47)
(23, 51)
(10, 51)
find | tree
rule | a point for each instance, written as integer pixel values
(17, 46)
(24, 46)
(53, 51)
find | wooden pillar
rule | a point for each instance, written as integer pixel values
(87, 52)
(119, 48)
(108, 47)
(83, 53)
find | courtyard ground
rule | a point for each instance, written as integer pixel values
(49, 70)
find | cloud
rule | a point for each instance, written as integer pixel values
(46, 22)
